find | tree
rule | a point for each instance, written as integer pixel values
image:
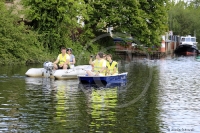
(156, 18)
(184, 18)
(144, 20)
(17, 44)
(55, 20)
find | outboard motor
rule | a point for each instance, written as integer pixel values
(48, 66)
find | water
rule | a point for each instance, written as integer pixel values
(160, 96)
(179, 95)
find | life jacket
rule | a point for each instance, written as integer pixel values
(62, 59)
(111, 67)
(98, 65)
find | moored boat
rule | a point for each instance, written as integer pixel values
(187, 46)
(119, 78)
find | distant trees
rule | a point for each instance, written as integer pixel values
(184, 18)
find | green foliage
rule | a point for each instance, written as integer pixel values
(55, 20)
(156, 20)
(183, 18)
(54, 24)
(17, 44)
(144, 20)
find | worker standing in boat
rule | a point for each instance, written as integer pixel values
(72, 58)
(111, 66)
(62, 61)
(99, 65)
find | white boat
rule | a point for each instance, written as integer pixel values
(47, 71)
(187, 46)
(35, 72)
(71, 73)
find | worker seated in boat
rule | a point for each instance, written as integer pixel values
(111, 66)
(72, 58)
(99, 66)
(105, 58)
(91, 62)
(62, 61)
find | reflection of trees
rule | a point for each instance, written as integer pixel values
(102, 103)
(51, 106)
(37, 111)
(9, 103)
(58, 106)
(141, 116)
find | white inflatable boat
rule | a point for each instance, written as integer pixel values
(47, 71)
(71, 73)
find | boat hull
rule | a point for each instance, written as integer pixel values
(35, 72)
(59, 74)
(120, 78)
(186, 49)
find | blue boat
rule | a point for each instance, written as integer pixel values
(120, 78)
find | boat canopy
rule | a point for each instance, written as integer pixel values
(188, 39)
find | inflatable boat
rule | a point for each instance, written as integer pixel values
(119, 78)
(71, 73)
(48, 71)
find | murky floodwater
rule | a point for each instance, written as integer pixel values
(160, 96)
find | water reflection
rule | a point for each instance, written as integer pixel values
(46, 105)
(67, 104)
(61, 98)
(58, 103)
(101, 102)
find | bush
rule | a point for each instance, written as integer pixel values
(17, 44)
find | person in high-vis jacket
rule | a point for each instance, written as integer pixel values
(99, 66)
(62, 61)
(111, 66)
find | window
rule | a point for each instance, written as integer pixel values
(187, 39)
(183, 39)
(193, 39)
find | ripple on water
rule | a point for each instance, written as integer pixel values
(180, 94)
